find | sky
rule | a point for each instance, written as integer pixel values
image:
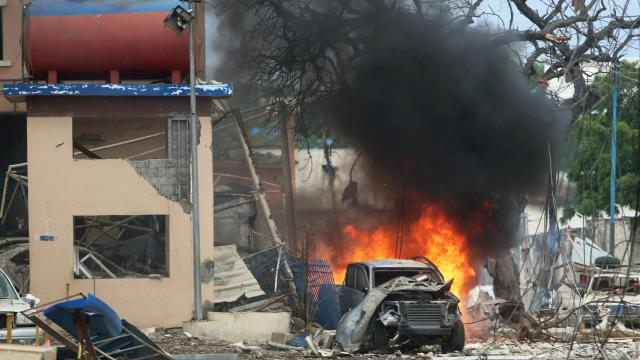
(499, 7)
(520, 22)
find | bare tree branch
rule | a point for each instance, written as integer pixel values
(303, 50)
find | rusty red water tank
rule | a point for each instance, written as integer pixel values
(87, 39)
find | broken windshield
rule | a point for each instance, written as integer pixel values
(6, 289)
(381, 276)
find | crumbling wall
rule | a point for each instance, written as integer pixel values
(165, 175)
(171, 177)
(62, 187)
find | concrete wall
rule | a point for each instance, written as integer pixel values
(240, 326)
(622, 238)
(11, 62)
(61, 187)
(312, 182)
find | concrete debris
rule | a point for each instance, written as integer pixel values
(324, 339)
(26, 352)
(311, 345)
(148, 331)
(279, 337)
(240, 345)
(500, 348)
(206, 357)
(321, 344)
(482, 304)
(240, 326)
(282, 346)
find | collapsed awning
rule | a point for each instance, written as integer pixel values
(231, 277)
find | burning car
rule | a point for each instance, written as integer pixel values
(398, 303)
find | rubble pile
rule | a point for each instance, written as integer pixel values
(176, 341)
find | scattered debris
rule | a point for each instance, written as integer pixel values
(246, 348)
(14, 201)
(88, 327)
(118, 246)
(281, 346)
(499, 348)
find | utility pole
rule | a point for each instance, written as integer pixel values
(195, 199)
(305, 274)
(289, 202)
(612, 195)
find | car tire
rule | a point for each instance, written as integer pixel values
(455, 342)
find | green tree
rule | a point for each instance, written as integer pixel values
(589, 165)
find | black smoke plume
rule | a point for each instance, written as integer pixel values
(443, 114)
(447, 117)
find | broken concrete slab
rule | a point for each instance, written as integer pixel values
(233, 327)
(26, 352)
(206, 357)
(483, 357)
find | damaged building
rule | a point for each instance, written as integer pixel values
(107, 138)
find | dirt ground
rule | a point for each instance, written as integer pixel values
(175, 341)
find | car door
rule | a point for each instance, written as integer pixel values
(347, 293)
(362, 285)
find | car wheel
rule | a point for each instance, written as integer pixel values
(455, 342)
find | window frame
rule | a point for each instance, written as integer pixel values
(361, 284)
(351, 269)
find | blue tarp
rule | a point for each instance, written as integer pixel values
(100, 318)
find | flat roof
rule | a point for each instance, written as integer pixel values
(392, 263)
(19, 92)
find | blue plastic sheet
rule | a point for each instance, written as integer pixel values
(100, 318)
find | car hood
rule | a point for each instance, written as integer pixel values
(352, 327)
(13, 305)
(606, 298)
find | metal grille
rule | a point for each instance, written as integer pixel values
(323, 299)
(320, 273)
(424, 314)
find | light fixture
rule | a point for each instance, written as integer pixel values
(178, 19)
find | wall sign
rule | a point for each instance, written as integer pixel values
(46, 238)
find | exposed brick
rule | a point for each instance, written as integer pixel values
(171, 177)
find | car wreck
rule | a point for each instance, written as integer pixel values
(613, 295)
(391, 303)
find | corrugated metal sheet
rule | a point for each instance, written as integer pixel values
(585, 252)
(231, 277)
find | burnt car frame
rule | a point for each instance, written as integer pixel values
(404, 303)
(601, 299)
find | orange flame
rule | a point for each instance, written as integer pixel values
(432, 235)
